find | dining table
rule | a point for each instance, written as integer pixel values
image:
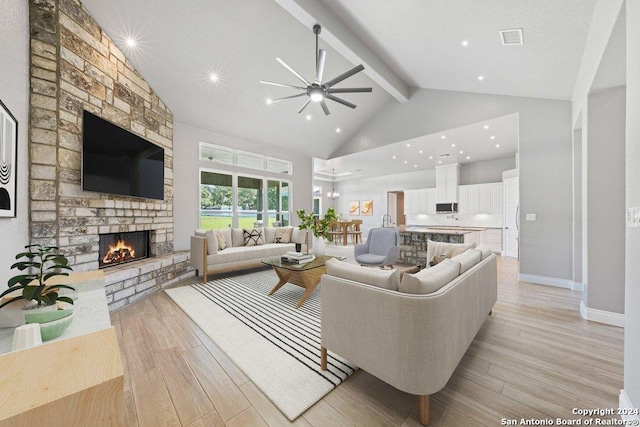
(343, 226)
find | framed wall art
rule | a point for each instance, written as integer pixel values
(8, 162)
(366, 207)
(354, 208)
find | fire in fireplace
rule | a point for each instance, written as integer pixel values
(117, 248)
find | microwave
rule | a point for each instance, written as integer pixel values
(446, 208)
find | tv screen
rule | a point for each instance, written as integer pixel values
(116, 161)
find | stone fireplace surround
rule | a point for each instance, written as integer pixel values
(75, 66)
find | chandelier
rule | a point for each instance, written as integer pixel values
(333, 194)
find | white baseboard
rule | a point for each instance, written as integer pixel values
(625, 403)
(543, 280)
(577, 286)
(601, 316)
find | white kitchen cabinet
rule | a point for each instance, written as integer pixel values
(411, 203)
(480, 199)
(431, 200)
(468, 199)
(420, 201)
(447, 180)
(492, 237)
(497, 200)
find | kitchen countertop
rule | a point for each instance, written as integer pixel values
(458, 231)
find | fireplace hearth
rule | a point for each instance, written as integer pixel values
(119, 248)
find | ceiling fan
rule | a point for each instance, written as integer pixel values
(318, 91)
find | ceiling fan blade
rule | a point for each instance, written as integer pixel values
(320, 65)
(344, 76)
(305, 105)
(288, 97)
(324, 108)
(294, 72)
(341, 101)
(350, 90)
(282, 85)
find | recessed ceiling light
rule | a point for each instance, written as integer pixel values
(480, 78)
(486, 126)
(131, 42)
(444, 137)
(468, 157)
(415, 166)
(338, 130)
(214, 77)
(439, 162)
(461, 152)
(453, 145)
(465, 43)
(497, 145)
(420, 151)
(405, 162)
(492, 137)
(308, 116)
(269, 101)
(393, 157)
(431, 157)
(408, 145)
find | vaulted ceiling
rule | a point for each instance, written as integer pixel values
(403, 45)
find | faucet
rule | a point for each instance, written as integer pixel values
(386, 219)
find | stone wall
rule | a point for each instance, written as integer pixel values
(413, 246)
(75, 66)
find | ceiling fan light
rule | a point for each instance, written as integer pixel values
(316, 95)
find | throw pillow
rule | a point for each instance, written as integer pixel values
(437, 259)
(222, 243)
(283, 235)
(253, 236)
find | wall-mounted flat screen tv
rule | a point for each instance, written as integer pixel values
(116, 161)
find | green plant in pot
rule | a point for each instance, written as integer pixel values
(42, 264)
(318, 226)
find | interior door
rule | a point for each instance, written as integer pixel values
(511, 212)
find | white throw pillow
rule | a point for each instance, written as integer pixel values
(253, 236)
(237, 237)
(270, 235)
(283, 235)
(386, 279)
(445, 248)
(430, 279)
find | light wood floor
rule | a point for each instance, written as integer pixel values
(533, 358)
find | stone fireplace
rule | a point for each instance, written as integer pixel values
(75, 66)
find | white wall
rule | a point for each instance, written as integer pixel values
(186, 169)
(632, 266)
(14, 92)
(545, 136)
(487, 171)
(603, 169)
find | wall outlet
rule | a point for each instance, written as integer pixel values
(531, 217)
(633, 217)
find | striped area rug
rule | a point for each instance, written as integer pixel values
(276, 345)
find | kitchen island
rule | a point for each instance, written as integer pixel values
(413, 241)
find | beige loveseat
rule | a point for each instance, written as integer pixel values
(410, 332)
(208, 258)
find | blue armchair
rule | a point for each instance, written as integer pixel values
(381, 248)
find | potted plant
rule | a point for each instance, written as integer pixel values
(44, 263)
(318, 226)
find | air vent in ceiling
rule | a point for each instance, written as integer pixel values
(512, 37)
(445, 155)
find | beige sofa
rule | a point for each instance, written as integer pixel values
(207, 258)
(410, 332)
